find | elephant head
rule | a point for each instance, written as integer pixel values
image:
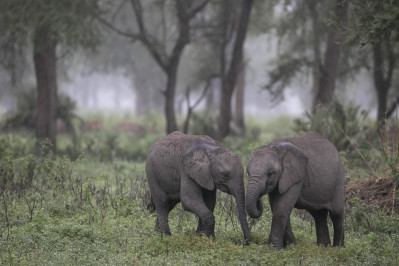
(212, 166)
(274, 166)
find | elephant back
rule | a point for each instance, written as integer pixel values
(324, 167)
(164, 158)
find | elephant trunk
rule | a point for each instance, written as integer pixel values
(239, 196)
(253, 203)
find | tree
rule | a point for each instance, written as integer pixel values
(376, 23)
(46, 25)
(167, 54)
(229, 78)
(329, 69)
(44, 57)
(384, 61)
(225, 29)
(239, 106)
(307, 27)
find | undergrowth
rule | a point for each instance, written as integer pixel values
(89, 207)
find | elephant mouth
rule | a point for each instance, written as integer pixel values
(223, 188)
(267, 190)
(259, 205)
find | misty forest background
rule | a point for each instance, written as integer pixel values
(88, 86)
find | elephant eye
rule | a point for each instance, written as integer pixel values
(270, 173)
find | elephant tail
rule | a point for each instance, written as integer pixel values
(150, 204)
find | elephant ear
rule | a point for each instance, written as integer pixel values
(196, 164)
(294, 166)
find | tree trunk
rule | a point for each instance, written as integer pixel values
(381, 83)
(44, 57)
(173, 64)
(229, 80)
(169, 64)
(239, 108)
(170, 100)
(329, 69)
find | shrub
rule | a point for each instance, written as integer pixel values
(347, 128)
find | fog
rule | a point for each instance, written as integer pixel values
(114, 90)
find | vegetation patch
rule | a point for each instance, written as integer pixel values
(380, 193)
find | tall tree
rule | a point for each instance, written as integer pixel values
(229, 78)
(384, 61)
(305, 29)
(329, 69)
(376, 24)
(44, 57)
(47, 24)
(166, 53)
(239, 105)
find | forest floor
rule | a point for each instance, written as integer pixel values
(380, 193)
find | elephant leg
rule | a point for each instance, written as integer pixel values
(163, 208)
(338, 223)
(322, 234)
(289, 237)
(162, 204)
(209, 198)
(282, 205)
(193, 201)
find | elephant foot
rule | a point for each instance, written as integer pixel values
(206, 225)
(206, 233)
(324, 244)
(288, 242)
(276, 242)
(289, 239)
(162, 227)
(163, 230)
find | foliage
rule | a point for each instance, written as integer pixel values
(389, 145)
(25, 115)
(90, 212)
(71, 21)
(373, 21)
(203, 123)
(347, 128)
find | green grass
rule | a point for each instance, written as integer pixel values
(91, 210)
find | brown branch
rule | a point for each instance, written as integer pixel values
(197, 9)
(147, 39)
(112, 27)
(192, 107)
(392, 108)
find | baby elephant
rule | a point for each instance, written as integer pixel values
(305, 173)
(189, 169)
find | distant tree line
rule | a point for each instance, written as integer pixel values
(331, 41)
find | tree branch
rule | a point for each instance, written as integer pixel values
(148, 40)
(192, 107)
(392, 108)
(197, 9)
(111, 26)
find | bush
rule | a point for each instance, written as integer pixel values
(349, 129)
(25, 116)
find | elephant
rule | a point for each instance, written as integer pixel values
(188, 169)
(304, 172)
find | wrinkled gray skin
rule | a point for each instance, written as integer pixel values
(189, 169)
(305, 173)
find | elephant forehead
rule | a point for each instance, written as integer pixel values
(264, 162)
(226, 161)
(262, 155)
(227, 157)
